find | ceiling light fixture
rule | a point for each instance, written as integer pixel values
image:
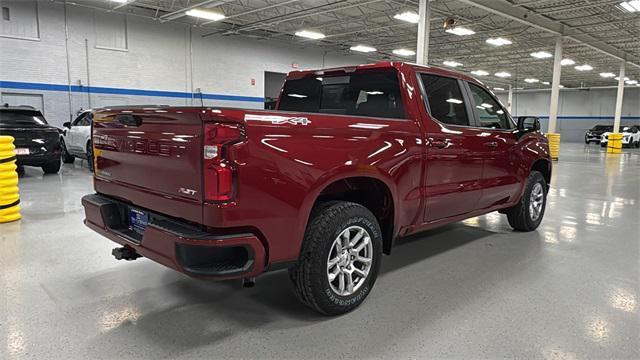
(205, 14)
(560, 86)
(546, 83)
(498, 89)
(584, 67)
(565, 62)
(531, 80)
(120, 1)
(460, 31)
(404, 52)
(630, 6)
(310, 34)
(502, 74)
(452, 63)
(480, 73)
(618, 78)
(363, 48)
(607, 74)
(541, 55)
(408, 16)
(631, 82)
(498, 41)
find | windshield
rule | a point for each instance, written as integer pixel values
(603, 128)
(22, 117)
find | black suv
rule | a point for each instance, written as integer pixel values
(37, 143)
(595, 134)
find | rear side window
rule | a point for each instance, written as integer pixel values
(375, 94)
(489, 111)
(444, 96)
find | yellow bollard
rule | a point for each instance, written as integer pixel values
(9, 196)
(554, 145)
(614, 145)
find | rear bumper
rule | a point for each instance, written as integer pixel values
(176, 244)
(38, 160)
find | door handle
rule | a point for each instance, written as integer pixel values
(438, 143)
(491, 144)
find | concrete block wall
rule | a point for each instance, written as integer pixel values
(579, 109)
(163, 63)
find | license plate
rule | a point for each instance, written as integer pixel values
(138, 220)
(20, 151)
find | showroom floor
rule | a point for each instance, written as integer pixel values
(470, 290)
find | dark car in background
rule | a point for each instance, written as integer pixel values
(595, 134)
(37, 143)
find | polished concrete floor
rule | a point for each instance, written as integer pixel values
(474, 289)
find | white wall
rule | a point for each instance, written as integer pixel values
(579, 110)
(154, 56)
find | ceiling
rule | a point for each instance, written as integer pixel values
(349, 22)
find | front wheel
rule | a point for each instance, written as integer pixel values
(52, 167)
(527, 215)
(340, 258)
(66, 157)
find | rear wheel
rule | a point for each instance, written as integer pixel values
(52, 167)
(528, 214)
(340, 258)
(66, 157)
(90, 157)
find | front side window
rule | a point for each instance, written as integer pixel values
(444, 96)
(488, 110)
(375, 94)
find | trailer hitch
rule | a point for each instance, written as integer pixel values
(125, 253)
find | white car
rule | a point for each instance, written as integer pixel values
(630, 136)
(76, 139)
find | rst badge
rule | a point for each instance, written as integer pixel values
(189, 192)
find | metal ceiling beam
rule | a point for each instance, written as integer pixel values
(243, 13)
(525, 16)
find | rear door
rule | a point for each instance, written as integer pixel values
(74, 134)
(454, 168)
(498, 149)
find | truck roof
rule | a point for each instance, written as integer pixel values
(382, 65)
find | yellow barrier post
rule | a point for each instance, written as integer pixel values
(9, 196)
(554, 145)
(614, 145)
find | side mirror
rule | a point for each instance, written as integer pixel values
(528, 123)
(67, 125)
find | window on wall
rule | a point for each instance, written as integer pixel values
(446, 103)
(20, 19)
(111, 31)
(488, 110)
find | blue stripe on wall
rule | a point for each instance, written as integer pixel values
(121, 91)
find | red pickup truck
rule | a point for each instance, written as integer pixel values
(353, 159)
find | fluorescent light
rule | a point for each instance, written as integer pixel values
(545, 83)
(584, 67)
(375, 92)
(631, 82)
(404, 52)
(565, 62)
(487, 106)
(205, 14)
(454, 101)
(541, 55)
(502, 74)
(408, 16)
(451, 63)
(531, 80)
(618, 78)
(480, 73)
(460, 31)
(299, 96)
(607, 75)
(630, 6)
(363, 48)
(498, 89)
(498, 41)
(120, 1)
(310, 34)
(560, 86)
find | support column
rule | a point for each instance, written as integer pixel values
(614, 143)
(422, 53)
(510, 100)
(554, 138)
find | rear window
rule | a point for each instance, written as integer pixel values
(22, 117)
(375, 94)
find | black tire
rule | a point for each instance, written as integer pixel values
(90, 156)
(52, 167)
(309, 275)
(20, 170)
(638, 144)
(520, 216)
(66, 157)
(586, 141)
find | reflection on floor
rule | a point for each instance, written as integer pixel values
(468, 290)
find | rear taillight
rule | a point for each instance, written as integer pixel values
(219, 171)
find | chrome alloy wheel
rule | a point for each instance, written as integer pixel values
(350, 260)
(536, 201)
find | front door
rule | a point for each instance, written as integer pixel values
(454, 168)
(498, 149)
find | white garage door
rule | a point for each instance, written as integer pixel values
(17, 99)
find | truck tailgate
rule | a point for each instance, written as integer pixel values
(152, 158)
